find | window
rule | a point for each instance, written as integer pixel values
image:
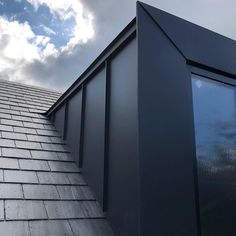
(214, 106)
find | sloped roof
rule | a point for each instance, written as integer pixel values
(42, 191)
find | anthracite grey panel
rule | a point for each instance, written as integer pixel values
(73, 124)
(166, 135)
(215, 129)
(123, 144)
(59, 119)
(198, 44)
(94, 131)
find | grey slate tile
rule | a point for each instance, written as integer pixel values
(63, 166)
(56, 140)
(73, 209)
(1, 175)
(6, 128)
(28, 145)
(64, 209)
(33, 125)
(6, 143)
(41, 121)
(92, 209)
(75, 192)
(1, 210)
(14, 228)
(53, 178)
(9, 163)
(91, 227)
(44, 155)
(47, 132)
(24, 210)
(23, 113)
(75, 178)
(65, 156)
(50, 228)
(10, 191)
(5, 116)
(53, 147)
(18, 176)
(41, 192)
(16, 136)
(11, 122)
(15, 152)
(24, 130)
(21, 118)
(33, 164)
(37, 138)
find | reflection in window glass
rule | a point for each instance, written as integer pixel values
(215, 129)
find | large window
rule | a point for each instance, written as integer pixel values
(215, 129)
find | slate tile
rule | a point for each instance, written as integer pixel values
(13, 228)
(4, 106)
(1, 210)
(37, 138)
(33, 165)
(75, 178)
(6, 143)
(63, 166)
(1, 175)
(8, 191)
(21, 118)
(16, 136)
(18, 108)
(56, 140)
(5, 116)
(8, 111)
(75, 192)
(64, 209)
(49, 127)
(53, 178)
(65, 156)
(6, 128)
(40, 192)
(24, 210)
(11, 122)
(24, 130)
(15, 152)
(91, 227)
(33, 125)
(19, 176)
(53, 147)
(47, 132)
(50, 228)
(44, 155)
(9, 163)
(41, 121)
(27, 145)
(29, 114)
(92, 209)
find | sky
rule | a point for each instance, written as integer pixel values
(49, 43)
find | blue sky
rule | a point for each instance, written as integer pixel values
(51, 42)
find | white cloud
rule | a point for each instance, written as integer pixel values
(20, 46)
(66, 9)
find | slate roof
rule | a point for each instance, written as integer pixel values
(42, 191)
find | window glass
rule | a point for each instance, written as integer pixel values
(214, 106)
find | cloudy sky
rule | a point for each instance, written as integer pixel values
(51, 42)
